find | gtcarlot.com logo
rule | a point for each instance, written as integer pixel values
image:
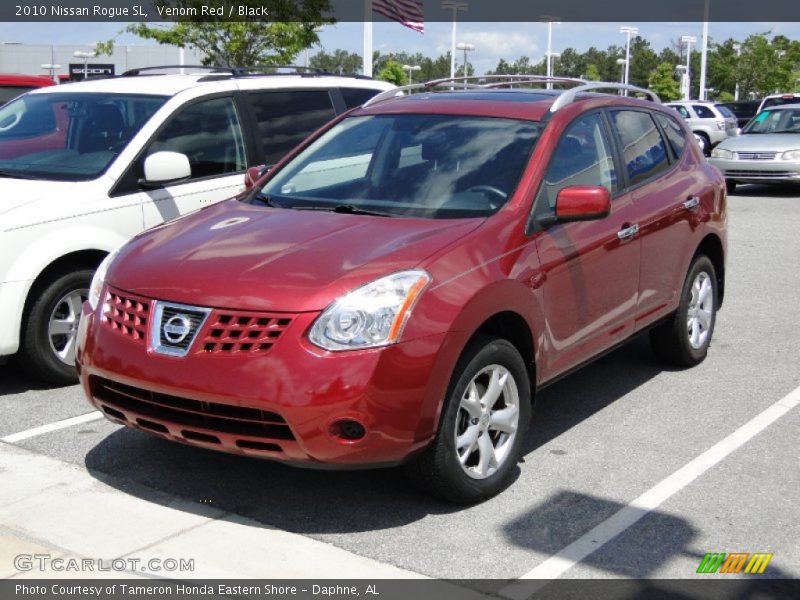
(734, 562)
(59, 564)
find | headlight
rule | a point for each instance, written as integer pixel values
(789, 155)
(100, 278)
(371, 316)
(722, 153)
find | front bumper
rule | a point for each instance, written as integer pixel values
(758, 171)
(281, 404)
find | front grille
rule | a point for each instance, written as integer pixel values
(730, 173)
(229, 332)
(176, 326)
(126, 314)
(756, 155)
(223, 418)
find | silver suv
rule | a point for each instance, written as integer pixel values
(711, 123)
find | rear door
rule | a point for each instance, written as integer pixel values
(591, 268)
(667, 193)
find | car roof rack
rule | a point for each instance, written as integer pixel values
(474, 82)
(219, 72)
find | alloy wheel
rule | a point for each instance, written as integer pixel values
(700, 311)
(62, 326)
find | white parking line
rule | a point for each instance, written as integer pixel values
(29, 433)
(568, 557)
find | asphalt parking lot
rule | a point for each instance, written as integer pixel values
(601, 438)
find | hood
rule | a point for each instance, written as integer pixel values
(759, 142)
(16, 193)
(233, 255)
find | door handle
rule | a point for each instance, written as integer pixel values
(628, 232)
(692, 203)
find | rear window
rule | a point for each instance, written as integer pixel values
(725, 111)
(781, 100)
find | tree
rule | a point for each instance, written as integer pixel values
(643, 61)
(592, 74)
(393, 72)
(341, 61)
(250, 41)
(662, 81)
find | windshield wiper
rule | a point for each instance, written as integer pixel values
(349, 209)
(264, 200)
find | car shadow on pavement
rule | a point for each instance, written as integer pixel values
(316, 501)
(14, 380)
(784, 190)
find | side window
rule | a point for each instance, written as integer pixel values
(209, 134)
(357, 96)
(582, 157)
(675, 134)
(682, 111)
(703, 112)
(286, 118)
(643, 151)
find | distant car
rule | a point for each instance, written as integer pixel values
(743, 110)
(86, 166)
(779, 100)
(711, 123)
(13, 85)
(768, 151)
(398, 287)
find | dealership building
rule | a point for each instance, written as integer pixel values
(35, 59)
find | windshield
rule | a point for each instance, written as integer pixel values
(780, 100)
(69, 136)
(785, 120)
(431, 166)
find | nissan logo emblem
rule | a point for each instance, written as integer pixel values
(177, 328)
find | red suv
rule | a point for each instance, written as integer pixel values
(397, 288)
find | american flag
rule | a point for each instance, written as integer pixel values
(406, 12)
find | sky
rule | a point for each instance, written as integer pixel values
(492, 40)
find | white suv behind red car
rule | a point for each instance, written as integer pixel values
(86, 166)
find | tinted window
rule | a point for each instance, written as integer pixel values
(286, 118)
(67, 135)
(357, 96)
(582, 157)
(675, 134)
(643, 149)
(703, 112)
(430, 166)
(681, 111)
(725, 111)
(789, 99)
(9, 93)
(209, 134)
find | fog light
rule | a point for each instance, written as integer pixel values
(347, 430)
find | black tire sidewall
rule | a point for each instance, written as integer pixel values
(36, 355)
(486, 352)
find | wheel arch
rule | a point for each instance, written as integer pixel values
(711, 246)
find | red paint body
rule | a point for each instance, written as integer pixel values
(574, 289)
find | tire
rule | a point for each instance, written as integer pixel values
(681, 340)
(704, 142)
(438, 470)
(730, 185)
(58, 299)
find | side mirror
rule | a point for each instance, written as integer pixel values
(163, 168)
(583, 203)
(253, 174)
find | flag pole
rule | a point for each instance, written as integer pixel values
(367, 70)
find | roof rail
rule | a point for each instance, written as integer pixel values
(247, 71)
(428, 85)
(569, 96)
(213, 69)
(523, 79)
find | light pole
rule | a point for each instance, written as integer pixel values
(455, 6)
(85, 56)
(466, 48)
(688, 40)
(738, 49)
(51, 69)
(553, 57)
(681, 69)
(623, 63)
(410, 69)
(549, 54)
(629, 31)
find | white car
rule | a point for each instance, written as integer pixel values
(711, 123)
(86, 166)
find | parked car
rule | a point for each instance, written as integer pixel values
(398, 287)
(85, 166)
(14, 84)
(743, 110)
(778, 100)
(768, 151)
(711, 123)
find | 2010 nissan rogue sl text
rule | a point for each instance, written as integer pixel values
(400, 285)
